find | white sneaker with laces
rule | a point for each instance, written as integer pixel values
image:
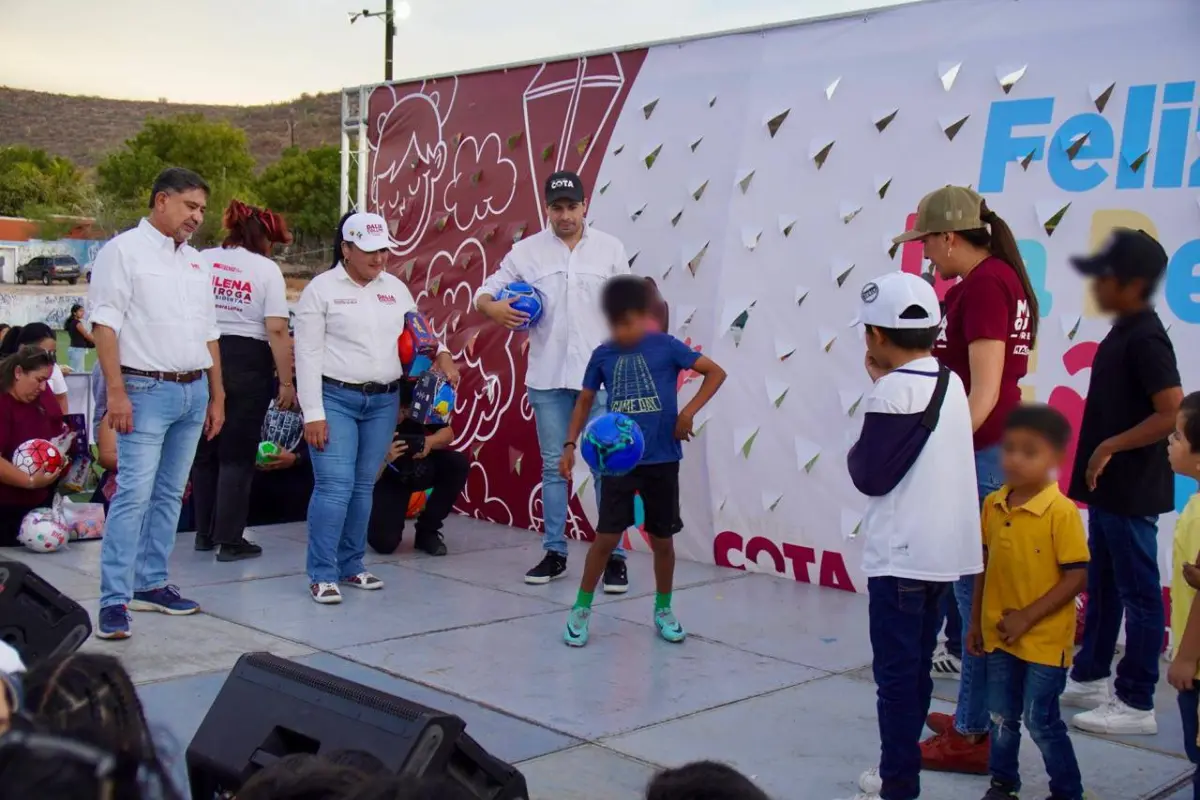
(864, 796)
(1091, 694)
(1116, 718)
(946, 665)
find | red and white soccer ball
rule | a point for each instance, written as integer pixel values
(37, 455)
(42, 532)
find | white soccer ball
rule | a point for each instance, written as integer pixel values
(41, 532)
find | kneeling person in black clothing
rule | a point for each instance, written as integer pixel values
(420, 458)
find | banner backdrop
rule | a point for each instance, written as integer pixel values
(759, 179)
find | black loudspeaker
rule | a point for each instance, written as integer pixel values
(270, 707)
(39, 621)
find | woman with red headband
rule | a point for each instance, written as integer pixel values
(252, 313)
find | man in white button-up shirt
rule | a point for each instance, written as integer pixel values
(156, 337)
(348, 375)
(569, 263)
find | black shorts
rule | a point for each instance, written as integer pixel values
(658, 484)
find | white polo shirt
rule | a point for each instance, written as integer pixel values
(158, 299)
(348, 332)
(247, 288)
(927, 528)
(572, 324)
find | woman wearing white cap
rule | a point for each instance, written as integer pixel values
(348, 376)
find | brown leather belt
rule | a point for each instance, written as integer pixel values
(170, 377)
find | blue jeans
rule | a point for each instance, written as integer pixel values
(903, 618)
(77, 359)
(552, 409)
(1019, 691)
(953, 622)
(1189, 707)
(971, 715)
(360, 433)
(152, 472)
(1123, 578)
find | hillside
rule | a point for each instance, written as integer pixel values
(85, 128)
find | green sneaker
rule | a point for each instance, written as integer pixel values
(576, 634)
(669, 627)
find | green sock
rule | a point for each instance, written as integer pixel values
(662, 601)
(584, 599)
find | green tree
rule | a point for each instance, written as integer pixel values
(36, 184)
(304, 186)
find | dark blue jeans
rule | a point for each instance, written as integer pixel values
(1123, 578)
(954, 625)
(1018, 690)
(904, 620)
(1189, 707)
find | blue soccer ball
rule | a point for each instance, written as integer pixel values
(529, 300)
(612, 444)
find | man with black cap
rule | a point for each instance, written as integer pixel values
(568, 262)
(1121, 471)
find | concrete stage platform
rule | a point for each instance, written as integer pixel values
(774, 677)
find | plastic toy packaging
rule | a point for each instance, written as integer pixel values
(83, 521)
(77, 475)
(433, 399)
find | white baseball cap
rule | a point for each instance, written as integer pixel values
(885, 299)
(367, 232)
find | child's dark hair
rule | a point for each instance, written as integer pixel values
(407, 788)
(915, 339)
(360, 760)
(624, 295)
(1043, 420)
(301, 776)
(703, 780)
(1190, 408)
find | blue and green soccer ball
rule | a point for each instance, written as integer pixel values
(612, 444)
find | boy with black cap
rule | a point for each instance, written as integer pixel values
(1121, 471)
(569, 262)
(916, 444)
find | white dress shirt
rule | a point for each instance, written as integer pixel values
(572, 323)
(247, 288)
(158, 299)
(348, 332)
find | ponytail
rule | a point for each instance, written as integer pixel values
(9, 345)
(338, 240)
(27, 359)
(1000, 243)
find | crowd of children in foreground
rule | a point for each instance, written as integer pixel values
(1032, 559)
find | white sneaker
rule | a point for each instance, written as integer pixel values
(327, 594)
(1091, 694)
(865, 796)
(870, 782)
(946, 664)
(1116, 718)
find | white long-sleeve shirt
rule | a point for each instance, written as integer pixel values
(348, 332)
(572, 323)
(157, 297)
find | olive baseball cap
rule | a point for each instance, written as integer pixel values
(951, 208)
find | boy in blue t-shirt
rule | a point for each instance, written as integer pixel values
(640, 369)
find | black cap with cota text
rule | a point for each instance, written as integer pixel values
(564, 186)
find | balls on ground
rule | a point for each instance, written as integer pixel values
(266, 452)
(528, 300)
(612, 444)
(41, 531)
(37, 455)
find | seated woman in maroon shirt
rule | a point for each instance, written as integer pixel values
(28, 410)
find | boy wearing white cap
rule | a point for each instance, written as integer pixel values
(348, 376)
(915, 446)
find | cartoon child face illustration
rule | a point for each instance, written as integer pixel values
(410, 159)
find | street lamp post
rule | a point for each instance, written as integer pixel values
(389, 14)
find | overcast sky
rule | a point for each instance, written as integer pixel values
(257, 51)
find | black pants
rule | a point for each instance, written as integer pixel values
(281, 496)
(223, 472)
(443, 471)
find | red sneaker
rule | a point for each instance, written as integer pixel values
(939, 723)
(953, 752)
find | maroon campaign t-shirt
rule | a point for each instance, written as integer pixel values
(20, 422)
(989, 303)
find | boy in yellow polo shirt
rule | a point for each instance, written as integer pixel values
(1184, 452)
(1036, 556)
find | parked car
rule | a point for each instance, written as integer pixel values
(48, 269)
